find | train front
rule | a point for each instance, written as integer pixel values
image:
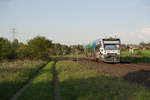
(111, 49)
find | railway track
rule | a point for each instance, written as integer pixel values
(132, 66)
(136, 67)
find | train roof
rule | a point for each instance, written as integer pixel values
(111, 39)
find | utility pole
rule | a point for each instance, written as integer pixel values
(13, 32)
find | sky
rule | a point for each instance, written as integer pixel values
(76, 21)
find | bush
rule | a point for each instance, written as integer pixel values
(139, 53)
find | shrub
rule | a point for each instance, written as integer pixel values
(139, 53)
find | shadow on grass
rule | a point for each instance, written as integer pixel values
(129, 59)
(99, 88)
(141, 77)
(9, 86)
(38, 91)
(7, 89)
(40, 88)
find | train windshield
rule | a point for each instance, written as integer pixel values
(111, 47)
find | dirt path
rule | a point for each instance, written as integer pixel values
(17, 94)
(56, 85)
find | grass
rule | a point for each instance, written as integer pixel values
(80, 82)
(13, 75)
(144, 53)
(72, 55)
(41, 87)
(144, 56)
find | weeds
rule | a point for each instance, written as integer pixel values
(13, 75)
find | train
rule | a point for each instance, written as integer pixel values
(105, 49)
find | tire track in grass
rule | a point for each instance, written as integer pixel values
(41, 87)
(17, 94)
(56, 85)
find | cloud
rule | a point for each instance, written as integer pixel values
(146, 29)
(143, 34)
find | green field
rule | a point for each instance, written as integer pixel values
(139, 56)
(76, 82)
(144, 53)
(13, 75)
(79, 82)
(41, 87)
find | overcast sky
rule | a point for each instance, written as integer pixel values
(76, 21)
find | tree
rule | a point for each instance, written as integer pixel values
(142, 43)
(77, 48)
(38, 47)
(6, 51)
(58, 49)
(23, 51)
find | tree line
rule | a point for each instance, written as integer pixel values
(37, 48)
